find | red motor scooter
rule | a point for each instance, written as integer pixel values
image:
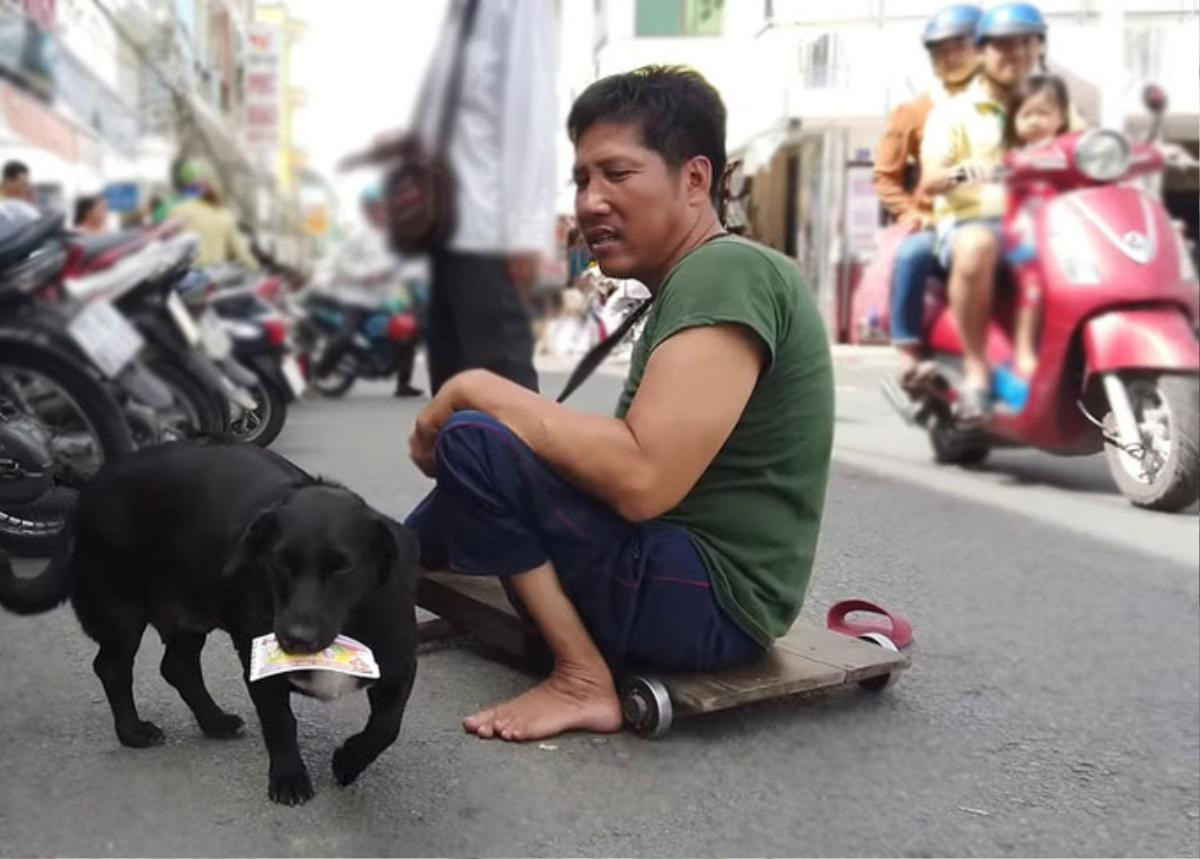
(1118, 360)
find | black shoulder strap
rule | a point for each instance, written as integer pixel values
(453, 85)
(588, 364)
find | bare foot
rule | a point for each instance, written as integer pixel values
(571, 698)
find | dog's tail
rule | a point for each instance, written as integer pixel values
(40, 593)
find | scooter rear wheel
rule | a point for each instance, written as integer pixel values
(953, 445)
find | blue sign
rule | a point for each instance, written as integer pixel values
(122, 197)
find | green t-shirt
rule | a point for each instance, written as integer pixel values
(755, 512)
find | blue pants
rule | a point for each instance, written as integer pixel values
(642, 590)
(914, 263)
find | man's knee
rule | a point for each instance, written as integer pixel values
(475, 450)
(469, 434)
(975, 250)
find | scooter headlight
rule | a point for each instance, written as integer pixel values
(1102, 155)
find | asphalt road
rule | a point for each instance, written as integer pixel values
(1053, 706)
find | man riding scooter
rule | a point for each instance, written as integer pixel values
(367, 276)
(961, 150)
(949, 36)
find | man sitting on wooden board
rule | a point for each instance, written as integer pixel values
(679, 534)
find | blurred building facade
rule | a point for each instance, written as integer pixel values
(112, 94)
(809, 85)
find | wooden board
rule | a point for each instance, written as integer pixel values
(807, 659)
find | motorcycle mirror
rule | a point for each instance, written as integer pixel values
(1155, 98)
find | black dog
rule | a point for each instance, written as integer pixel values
(192, 537)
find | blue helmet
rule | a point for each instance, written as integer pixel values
(951, 23)
(1010, 19)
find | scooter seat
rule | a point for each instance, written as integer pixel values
(94, 247)
(23, 241)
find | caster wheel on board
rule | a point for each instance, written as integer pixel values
(646, 706)
(875, 684)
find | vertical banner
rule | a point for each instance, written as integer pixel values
(264, 89)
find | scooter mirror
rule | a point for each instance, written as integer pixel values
(1155, 98)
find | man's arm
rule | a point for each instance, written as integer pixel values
(694, 390)
(895, 148)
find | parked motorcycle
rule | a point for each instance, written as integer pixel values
(262, 343)
(58, 422)
(1119, 361)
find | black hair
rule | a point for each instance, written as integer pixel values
(1033, 85)
(680, 115)
(84, 206)
(14, 170)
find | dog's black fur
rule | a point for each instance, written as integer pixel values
(192, 537)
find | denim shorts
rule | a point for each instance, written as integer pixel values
(946, 239)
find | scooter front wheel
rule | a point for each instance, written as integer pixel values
(1162, 470)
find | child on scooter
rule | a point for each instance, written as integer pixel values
(1039, 111)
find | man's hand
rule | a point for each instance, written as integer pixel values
(972, 173)
(451, 398)
(915, 221)
(522, 271)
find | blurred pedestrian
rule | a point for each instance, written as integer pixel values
(16, 184)
(91, 214)
(501, 150)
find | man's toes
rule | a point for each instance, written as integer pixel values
(473, 722)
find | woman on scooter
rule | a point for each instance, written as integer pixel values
(1039, 111)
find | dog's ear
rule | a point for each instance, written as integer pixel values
(255, 539)
(396, 549)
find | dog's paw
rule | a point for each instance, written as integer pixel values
(140, 734)
(290, 788)
(223, 727)
(347, 766)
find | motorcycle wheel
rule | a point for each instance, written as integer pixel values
(263, 425)
(1167, 409)
(953, 445)
(82, 406)
(197, 411)
(338, 380)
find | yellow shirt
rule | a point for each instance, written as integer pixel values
(220, 241)
(966, 127)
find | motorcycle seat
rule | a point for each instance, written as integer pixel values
(94, 247)
(26, 239)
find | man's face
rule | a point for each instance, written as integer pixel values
(20, 187)
(1008, 60)
(954, 60)
(633, 208)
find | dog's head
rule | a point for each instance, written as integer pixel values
(323, 551)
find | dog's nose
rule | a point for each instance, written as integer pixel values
(299, 638)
